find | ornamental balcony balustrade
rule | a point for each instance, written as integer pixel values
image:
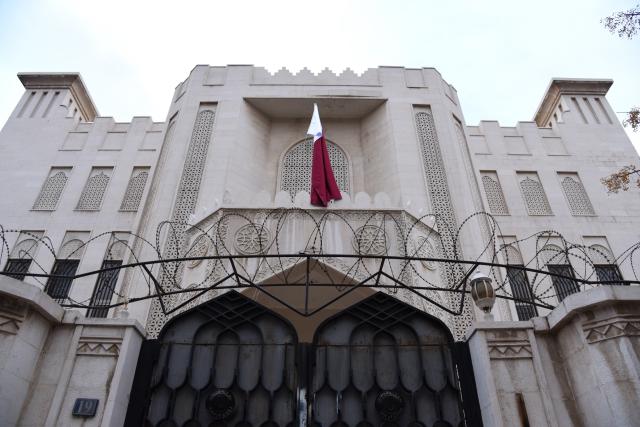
(271, 246)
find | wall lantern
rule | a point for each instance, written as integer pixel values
(483, 293)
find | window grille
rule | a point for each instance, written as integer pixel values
(563, 286)
(521, 290)
(608, 272)
(19, 267)
(535, 197)
(51, 190)
(495, 197)
(105, 287)
(295, 172)
(58, 287)
(579, 203)
(91, 197)
(133, 194)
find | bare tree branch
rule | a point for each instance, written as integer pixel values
(620, 180)
(633, 119)
(625, 23)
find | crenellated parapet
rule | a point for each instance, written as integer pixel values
(105, 134)
(523, 139)
(325, 78)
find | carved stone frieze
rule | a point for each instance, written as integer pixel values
(613, 327)
(509, 344)
(12, 313)
(99, 346)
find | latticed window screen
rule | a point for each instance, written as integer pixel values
(608, 272)
(495, 197)
(19, 267)
(105, 287)
(579, 203)
(51, 190)
(563, 286)
(295, 171)
(521, 290)
(58, 287)
(535, 197)
(93, 192)
(135, 188)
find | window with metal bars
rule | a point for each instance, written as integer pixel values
(608, 272)
(58, 287)
(18, 266)
(522, 292)
(105, 286)
(564, 286)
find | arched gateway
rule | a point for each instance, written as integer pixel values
(232, 362)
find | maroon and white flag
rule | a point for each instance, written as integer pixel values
(323, 183)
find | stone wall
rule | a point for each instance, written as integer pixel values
(577, 366)
(50, 357)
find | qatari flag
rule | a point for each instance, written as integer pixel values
(323, 183)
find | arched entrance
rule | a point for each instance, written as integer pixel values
(384, 363)
(232, 362)
(228, 362)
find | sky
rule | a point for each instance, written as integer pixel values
(500, 55)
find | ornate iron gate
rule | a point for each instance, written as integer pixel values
(228, 362)
(384, 363)
(232, 362)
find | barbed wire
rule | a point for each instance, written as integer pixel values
(390, 250)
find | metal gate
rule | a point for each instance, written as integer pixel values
(232, 362)
(228, 362)
(384, 363)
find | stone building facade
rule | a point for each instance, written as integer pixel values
(222, 184)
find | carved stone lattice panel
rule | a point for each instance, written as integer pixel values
(252, 239)
(534, 197)
(185, 204)
(495, 197)
(438, 188)
(370, 240)
(52, 189)
(94, 189)
(424, 249)
(200, 248)
(579, 203)
(295, 170)
(135, 189)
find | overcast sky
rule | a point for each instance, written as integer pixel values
(500, 55)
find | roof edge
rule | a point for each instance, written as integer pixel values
(67, 80)
(559, 86)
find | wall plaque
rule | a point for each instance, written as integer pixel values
(85, 407)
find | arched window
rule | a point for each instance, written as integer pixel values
(520, 286)
(558, 263)
(604, 264)
(295, 169)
